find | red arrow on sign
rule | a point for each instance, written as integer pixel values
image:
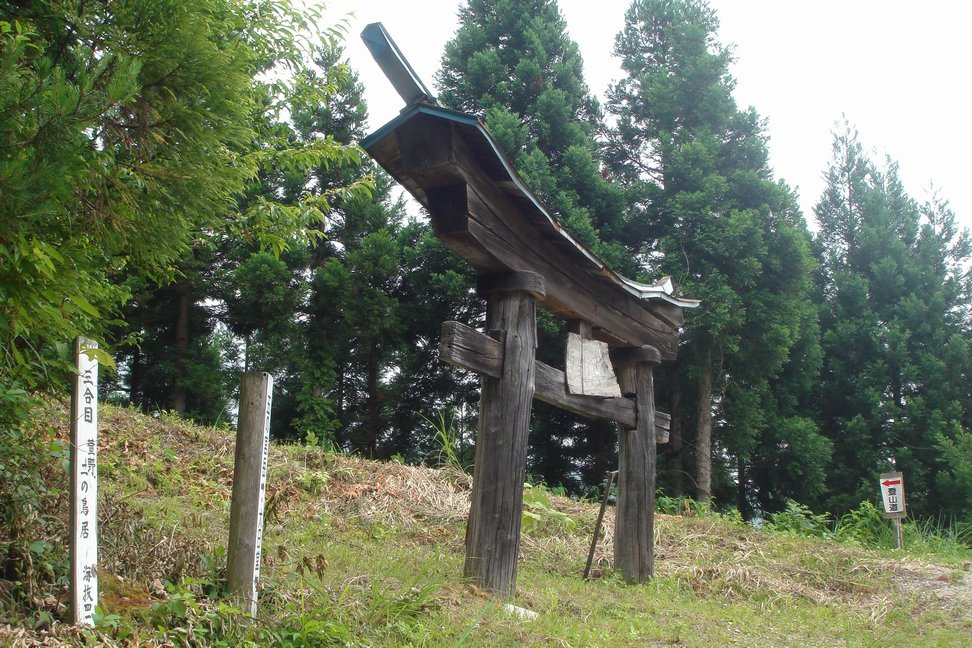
(890, 482)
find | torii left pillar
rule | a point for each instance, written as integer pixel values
(493, 529)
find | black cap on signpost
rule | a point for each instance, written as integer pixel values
(393, 63)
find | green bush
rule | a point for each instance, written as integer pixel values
(798, 519)
(33, 483)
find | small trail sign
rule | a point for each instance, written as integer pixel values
(84, 485)
(893, 494)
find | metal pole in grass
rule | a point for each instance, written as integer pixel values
(249, 488)
(600, 518)
(893, 497)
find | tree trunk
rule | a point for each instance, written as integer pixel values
(372, 423)
(135, 378)
(741, 490)
(703, 441)
(675, 444)
(177, 396)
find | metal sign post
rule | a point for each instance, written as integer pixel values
(84, 485)
(893, 496)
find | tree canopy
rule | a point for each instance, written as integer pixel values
(182, 182)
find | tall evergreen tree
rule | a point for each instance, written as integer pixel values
(242, 275)
(129, 131)
(370, 375)
(514, 64)
(895, 333)
(704, 208)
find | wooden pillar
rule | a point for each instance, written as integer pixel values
(493, 529)
(634, 531)
(249, 488)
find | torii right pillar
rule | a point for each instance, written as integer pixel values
(634, 550)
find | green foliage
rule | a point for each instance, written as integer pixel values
(513, 63)
(895, 322)
(313, 482)
(799, 520)
(679, 505)
(865, 525)
(129, 132)
(451, 451)
(956, 479)
(539, 515)
(703, 208)
(33, 484)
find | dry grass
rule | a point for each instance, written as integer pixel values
(705, 553)
(165, 503)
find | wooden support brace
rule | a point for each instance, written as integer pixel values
(465, 347)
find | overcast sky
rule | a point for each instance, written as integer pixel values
(899, 71)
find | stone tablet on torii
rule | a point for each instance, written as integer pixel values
(481, 209)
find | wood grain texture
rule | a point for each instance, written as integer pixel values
(588, 368)
(246, 510)
(523, 281)
(505, 405)
(465, 347)
(482, 219)
(634, 531)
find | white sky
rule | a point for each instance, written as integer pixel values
(899, 71)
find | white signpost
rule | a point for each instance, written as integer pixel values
(893, 496)
(249, 488)
(84, 485)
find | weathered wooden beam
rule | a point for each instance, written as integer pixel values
(490, 239)
(249, 488)
(393, 63)
(451, 166)
(505, 404)
(524, 281)
(465, 347)
(634, 526)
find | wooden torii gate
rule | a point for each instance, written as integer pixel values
(481, 209)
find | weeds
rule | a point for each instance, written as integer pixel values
(798, 519)
(866, 527)
(451, 451)
(33, 510)
(539, 514)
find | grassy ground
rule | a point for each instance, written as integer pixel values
(366, 554)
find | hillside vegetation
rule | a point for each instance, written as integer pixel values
(361, 553)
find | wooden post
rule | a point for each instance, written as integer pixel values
(600, 518)
(634, 530)
(493, 529)
(249, 488)
(84, 485)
